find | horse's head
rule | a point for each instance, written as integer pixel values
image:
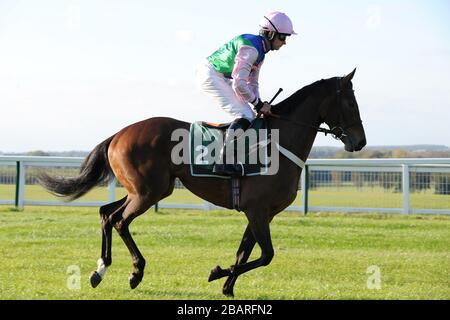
(341, 114)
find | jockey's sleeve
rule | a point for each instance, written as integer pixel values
(245, 74)
(253, 82)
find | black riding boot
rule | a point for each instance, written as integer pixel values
(232, 169)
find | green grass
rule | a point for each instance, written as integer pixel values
(375, 197)
(36, 192)
(366, 197)
(320, 256)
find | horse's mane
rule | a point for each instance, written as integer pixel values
(286, 106)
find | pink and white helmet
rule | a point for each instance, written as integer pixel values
(278, 22)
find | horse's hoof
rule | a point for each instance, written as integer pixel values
(228, 292)
(216, 273)
(134, 280)
(95, 279)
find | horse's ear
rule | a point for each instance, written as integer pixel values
(348, 77)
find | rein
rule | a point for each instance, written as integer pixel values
(336, 132)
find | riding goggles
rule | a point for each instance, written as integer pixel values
(282, 36)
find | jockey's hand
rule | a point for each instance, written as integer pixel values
(266, 109)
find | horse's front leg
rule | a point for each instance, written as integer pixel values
(242, 255)
(259, 226)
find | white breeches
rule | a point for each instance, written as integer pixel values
(215, 85)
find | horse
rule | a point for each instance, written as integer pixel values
(139, 156)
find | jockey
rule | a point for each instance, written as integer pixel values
(230, 76)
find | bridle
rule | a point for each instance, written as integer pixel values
(336, 132)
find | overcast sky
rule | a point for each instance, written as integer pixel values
(74, 72)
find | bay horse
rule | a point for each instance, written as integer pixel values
(140, 158)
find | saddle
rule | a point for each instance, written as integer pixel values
(219, 126)
(206, 141)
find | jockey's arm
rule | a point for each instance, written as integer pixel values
(245, 80)
(253, 81)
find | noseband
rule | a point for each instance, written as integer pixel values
(336, 132)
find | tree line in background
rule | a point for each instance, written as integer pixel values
(317, 152)
(396, 153)
(419, 151)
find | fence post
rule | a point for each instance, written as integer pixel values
(112, 190)
(304, 186)
(405, 188)
(207, 206)
(20, 185)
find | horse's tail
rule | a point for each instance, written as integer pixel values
(94, 170)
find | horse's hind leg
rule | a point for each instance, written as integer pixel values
(105, 213)
(242, 255)
(105, 258)
(136, 206)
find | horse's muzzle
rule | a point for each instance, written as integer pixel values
(361, 144)
(352, 146)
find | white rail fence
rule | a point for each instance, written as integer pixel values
(347, 185)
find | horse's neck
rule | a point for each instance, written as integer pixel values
(299, 139)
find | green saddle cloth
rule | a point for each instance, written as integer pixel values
(206, 141)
